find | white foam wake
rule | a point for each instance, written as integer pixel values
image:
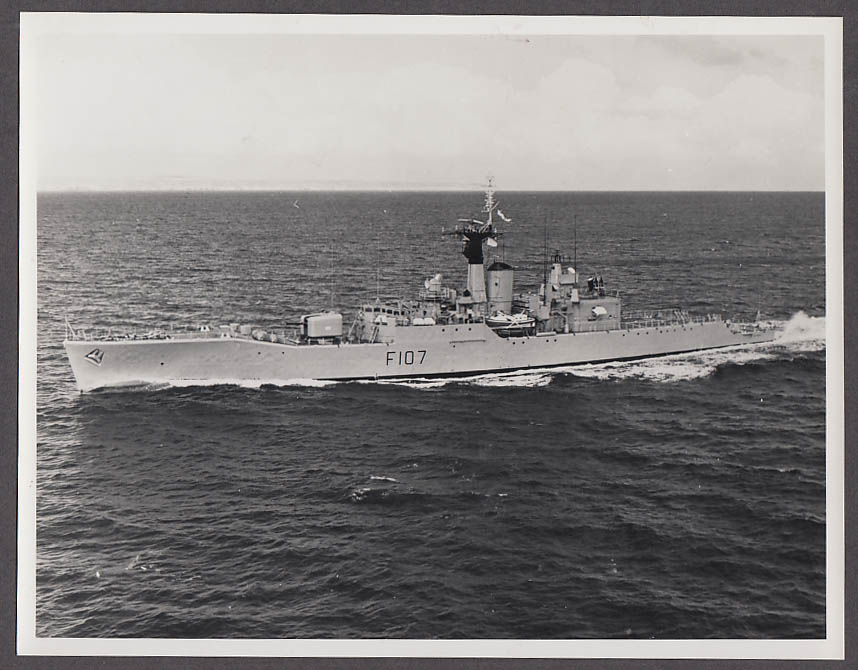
(803, 333)
(519, 378)
(674, 368)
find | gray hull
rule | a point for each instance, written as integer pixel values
(417, 351)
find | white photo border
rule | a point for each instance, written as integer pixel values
(33, 24)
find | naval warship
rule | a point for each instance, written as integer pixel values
(444, 332)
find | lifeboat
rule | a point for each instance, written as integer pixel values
(511, 324)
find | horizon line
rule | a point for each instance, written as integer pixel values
(429, 189)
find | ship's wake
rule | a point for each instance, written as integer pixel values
(802, 333)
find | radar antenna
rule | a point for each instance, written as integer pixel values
(473, 232)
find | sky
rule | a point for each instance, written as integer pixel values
(538, 112)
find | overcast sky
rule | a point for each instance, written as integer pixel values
(425, 111)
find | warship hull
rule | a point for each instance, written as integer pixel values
(415, 352)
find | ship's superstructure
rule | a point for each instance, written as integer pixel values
(486, 327)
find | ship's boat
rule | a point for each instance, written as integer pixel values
(484, 327)
(509, 324)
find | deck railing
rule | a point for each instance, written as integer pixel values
(160, 333)
(636, 320)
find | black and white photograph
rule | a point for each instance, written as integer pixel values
(452, 336)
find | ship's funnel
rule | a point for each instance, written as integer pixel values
(499, 281)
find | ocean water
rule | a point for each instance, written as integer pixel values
(678, 497)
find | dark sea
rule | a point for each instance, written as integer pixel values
(671, 498)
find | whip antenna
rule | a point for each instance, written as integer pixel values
(575, 246)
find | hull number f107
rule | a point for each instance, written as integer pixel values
(406, 357)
